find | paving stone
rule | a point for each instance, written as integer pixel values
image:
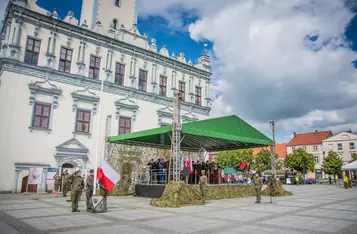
(186, 224)
(22, 206)
(330, 214)
(38, 212)
(111, 230)
(6, 229)
(73, 220)
(137, 214)
(257, 230)
(308, 223)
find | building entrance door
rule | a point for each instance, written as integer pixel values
(32, 188)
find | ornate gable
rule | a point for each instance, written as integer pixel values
(189, 116)
(126, 104)
(85, 95)
(72, 145)
(72, 150)
(46, 88)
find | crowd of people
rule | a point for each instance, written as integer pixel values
(158, 171)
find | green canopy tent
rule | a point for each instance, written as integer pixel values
(217, 134)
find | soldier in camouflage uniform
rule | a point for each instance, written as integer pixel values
(272, 185)
(89, 189)
(77, 188)
(104, 193)
(203, 186)
(258, 184)
(65, 180)
(70, 183)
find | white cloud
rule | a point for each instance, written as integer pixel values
(267, 69)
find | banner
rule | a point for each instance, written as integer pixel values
(51, 172)
(35, 176)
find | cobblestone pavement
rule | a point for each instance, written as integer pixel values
(313, 209)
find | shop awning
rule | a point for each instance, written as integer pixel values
(350, 167)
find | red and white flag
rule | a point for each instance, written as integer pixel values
(107, 175)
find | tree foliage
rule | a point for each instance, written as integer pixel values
(354, 156)
(300, 160)
(233, 158)
(263, 161)
(332, 164)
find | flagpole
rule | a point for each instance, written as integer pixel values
(98, 138)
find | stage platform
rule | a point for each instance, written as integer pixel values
(151, 191)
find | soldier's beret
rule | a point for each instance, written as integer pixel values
(91, 170)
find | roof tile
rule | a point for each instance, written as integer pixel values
(309, 138)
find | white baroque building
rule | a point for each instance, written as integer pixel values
(51, 72)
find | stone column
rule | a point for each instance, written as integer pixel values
(6, 40)
(207, 94)
(80, 62)
(133, 72)
(16, 39)
(16, 180)
(15, 45)
(153, 78)
(52, 43)
(43, 186)
(51, 51)
(108, 69)
(173, 82)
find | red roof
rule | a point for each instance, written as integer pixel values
(280, 149)
(310, 138)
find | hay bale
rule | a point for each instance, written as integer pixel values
(177, 194)
(280, 191)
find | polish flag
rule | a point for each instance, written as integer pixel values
(107, 175)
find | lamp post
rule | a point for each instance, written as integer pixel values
(273, 156)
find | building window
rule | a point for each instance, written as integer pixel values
(83, 121)
(316, 159)
(115, 23)
(198, 95)
(352, 145)
(117, 3)
(65, 60)
(119, 74)
(293, 148)
(124, 125)
(94, 67)
(315, 147)
(32, 51)
(304, 148)
(163, 85)
(339, 146)
(182, 89)
(143, 80)
(41, 116)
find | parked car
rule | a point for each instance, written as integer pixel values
(310, 181)
(323, 181)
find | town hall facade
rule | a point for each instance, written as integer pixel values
(50, 80)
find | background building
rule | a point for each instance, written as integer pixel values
(51, 72)
(344, 144)
(312, 143)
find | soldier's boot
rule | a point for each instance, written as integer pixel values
(105, 204)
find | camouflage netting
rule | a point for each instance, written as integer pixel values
(177, 194)
(280, 191)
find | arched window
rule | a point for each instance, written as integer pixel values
(115, 23)
(117, 3)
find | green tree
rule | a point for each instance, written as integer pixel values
(300, 160)
(233, 158)
(354, 156)
(263, 161)
(332, 164)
